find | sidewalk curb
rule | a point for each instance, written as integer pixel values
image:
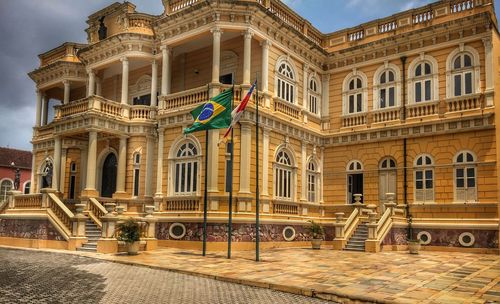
(324, 295)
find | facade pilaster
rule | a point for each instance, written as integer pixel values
(303, 175)
(265, 162)
(125, 68)
(154, 83)
(264, 83)
(488, 59)
(159, 165)
(56, 173)
(45, 114)
(325, 95)
(150, 143)
(83, 167)
(39, 100)
(247, 56)
(245, 156)
(122, 163)
(217, 33)
(305, 86)
(33, 171)
(67, 87)
(98, 86)
(62, 178)
(322, 173)
(91, 163)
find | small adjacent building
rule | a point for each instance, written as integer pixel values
(12, 161)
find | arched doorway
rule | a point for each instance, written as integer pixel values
(108, 180)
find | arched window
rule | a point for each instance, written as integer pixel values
(423, 81)
(387, 178)
(462, 75)
(284, 177)
(424, 179)
(186, 164)
(354, 93)
(314, 96)
(286, 82)
(354, 180)
(313, 179)
(465, 177)
(387, 89)
(137, 173)
(27, 187)
(5, 186)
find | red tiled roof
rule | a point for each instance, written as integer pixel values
(21, 158)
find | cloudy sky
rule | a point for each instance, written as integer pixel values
(30, 27)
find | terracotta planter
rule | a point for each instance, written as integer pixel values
(133, 248)
(414, 246)
(316, 243)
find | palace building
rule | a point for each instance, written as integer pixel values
(369, 130)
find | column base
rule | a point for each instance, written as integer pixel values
(89, 193)
(120, 195)
(372, 246)
(339, 244)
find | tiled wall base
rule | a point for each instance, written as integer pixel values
(222, 246)
(29, 229)
(33, 243)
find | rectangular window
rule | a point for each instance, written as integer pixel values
(460, 178)
(183, 177)
(458, 85)
(188, 177)
(427, 90)
(471, 179)
(177, 177)
(468, 83)
(351, 104)
(392, 99)
(428, 179)
(382, 98)
(419, 184)
(418, 92)
(359, 103)
(195, 176)
(136, 182)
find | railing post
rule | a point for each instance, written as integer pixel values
(151, 241)
(12, 198)
(372, 225)
(339, 225)
(390, 202)
(79, 221)
(108, 243)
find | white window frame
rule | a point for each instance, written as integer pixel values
(396, 84)
(475, 69)
(174, 161)
(290, 81)
(384, 172)
(357, 168)
(469, 193)
(433, 77)
(314, 95)
(288, 171)
(3, 195)
(428, 194)
(313, 176)
(347, 92)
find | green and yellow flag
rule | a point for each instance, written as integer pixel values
(214, 114)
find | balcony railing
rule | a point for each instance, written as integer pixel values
(385, 115)
(422, 109)
(181, 204)
(285, 208)
(287, 108)
(352, 120)
(464, 103)
(184, 98)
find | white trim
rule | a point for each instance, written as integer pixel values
(293, 82)
(176, 237)
(289, 239)
(466, 244)
(434, 77)
(464, 165)
(424, 167)
(292, 169)
(317, 94)
(317, 176)
(346, 91)
(427, 234)
(377, 86)
(173, 160)
(476, 68)
(24, 186)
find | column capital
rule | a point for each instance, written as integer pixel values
(306, 66)
(124, 59)
(66, 82)
(266, 44)
(90, 71)
(487, 42)
(164, 48)
(248, 33)
(216, 31)
(325, 77)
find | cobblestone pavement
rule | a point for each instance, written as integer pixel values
(28, 276)
(392, 277)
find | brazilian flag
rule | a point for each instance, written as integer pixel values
(214, 114)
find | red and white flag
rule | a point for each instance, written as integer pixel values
(238, 111)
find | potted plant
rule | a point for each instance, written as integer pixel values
(317, 232)
(129, 232)
(413, 245)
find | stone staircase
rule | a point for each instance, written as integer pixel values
(93, 233)
(358, 238)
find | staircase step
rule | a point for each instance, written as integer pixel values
(86, 249)
(354, 249)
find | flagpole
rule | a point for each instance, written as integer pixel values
(257, 203)
(230, 220)
(205, 196)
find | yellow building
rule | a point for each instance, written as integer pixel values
(364, 129)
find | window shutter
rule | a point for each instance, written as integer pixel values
(429, 195)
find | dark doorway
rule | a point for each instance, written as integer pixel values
(144, 100)
(354, 186)
(108, 183)
(226, 79)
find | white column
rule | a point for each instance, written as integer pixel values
(150, 145)
(322, 172)
(98, 86)
(325, 95)
(56, 173)
(45, 114)
(63, 170)
(91, 161)
(38, 114)
(265, 162)
(91, 84)
(247, 56)
(83, 167)
(245, 156)
(216, 54)
(303, 175)
(165, 70)
(159, 165)
(264, 85)
(124, 99)
(122, 162)
(213, 160)
(154, 83)
(488, 58)
(33, 171)
(67, 88)
(305, 87)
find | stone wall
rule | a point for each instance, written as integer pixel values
(29, 229)
(445, 237)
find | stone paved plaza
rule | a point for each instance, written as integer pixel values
(391, 277)
(28, 276)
